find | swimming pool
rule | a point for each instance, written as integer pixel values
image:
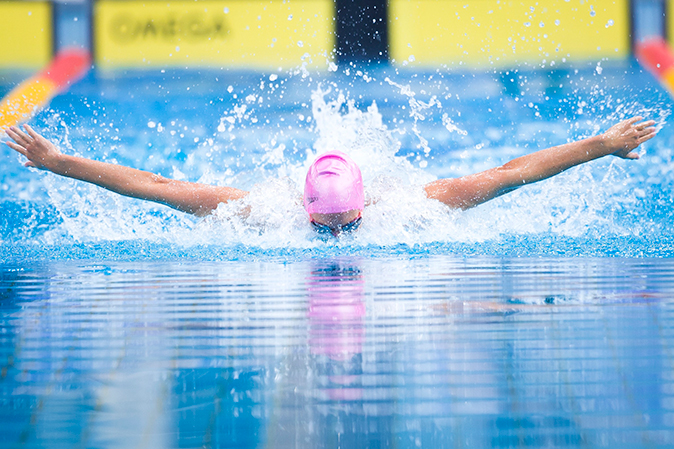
(540, 319)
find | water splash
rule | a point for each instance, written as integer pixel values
(268, 130)
(418, 113)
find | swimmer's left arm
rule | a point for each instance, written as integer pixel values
(472, 190)
(190, 197)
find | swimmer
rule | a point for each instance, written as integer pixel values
(333, 194)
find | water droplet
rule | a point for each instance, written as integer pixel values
(300, 44)
(541, 24)
(527, 24)
(151, 124)
(609, 23)
(273, 77)
(557, 22)
(290, 17)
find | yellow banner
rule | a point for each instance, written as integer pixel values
(502, 32)
(25, 34)
(259, 33)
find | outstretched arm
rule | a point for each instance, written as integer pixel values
(473, 190)
(193, 198)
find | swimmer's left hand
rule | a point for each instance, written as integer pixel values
(621, 139)
(40, 152)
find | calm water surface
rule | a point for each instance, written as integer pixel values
(338, 352)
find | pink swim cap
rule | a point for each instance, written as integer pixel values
(334, 184)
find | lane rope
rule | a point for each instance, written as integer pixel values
(655, 56)
(33, 94)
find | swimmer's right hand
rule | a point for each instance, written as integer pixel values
(40, 152)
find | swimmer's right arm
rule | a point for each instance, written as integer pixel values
(193, 198)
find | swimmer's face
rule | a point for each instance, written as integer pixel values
(336, 223)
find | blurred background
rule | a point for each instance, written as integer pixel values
(272, 34)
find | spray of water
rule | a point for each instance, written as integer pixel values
(594, 200)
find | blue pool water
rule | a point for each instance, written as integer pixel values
(540, 319)
(403, 127)
(438, 351)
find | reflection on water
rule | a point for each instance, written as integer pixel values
(338, 352)
(336, 310)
